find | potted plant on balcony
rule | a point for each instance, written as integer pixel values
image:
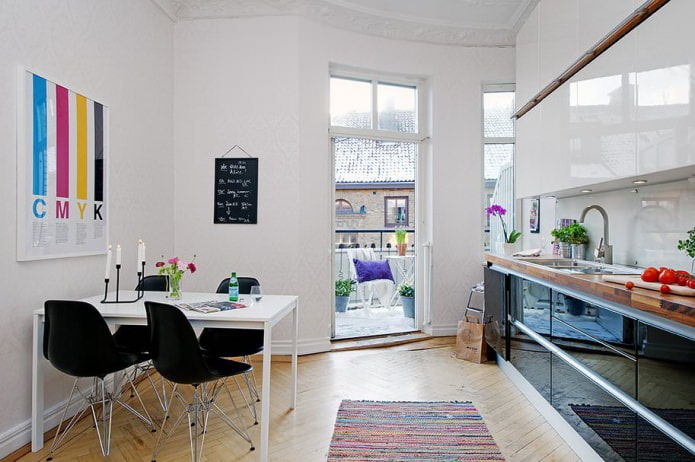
(407, 293)
(401, 245)
(343, 289)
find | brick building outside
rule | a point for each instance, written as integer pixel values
(375, 190)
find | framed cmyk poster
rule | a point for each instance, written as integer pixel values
(62, 175)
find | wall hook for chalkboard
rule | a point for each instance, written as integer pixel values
(236, 146)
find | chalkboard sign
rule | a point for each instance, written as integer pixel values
(236, 190)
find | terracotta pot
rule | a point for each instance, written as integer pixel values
(401, 249)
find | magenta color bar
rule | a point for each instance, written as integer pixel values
(62, 143)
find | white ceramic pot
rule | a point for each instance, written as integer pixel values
(510, 249)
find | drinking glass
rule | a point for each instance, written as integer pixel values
(256, 293)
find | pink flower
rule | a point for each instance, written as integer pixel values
(496, 210)
(173, 260)
(181, 265)
(192, 267)
(159, 264)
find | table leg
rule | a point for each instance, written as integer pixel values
(295, 330)
(265, 392)
(37, 385)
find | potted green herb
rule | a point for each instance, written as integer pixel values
(572, 239)
(343, 289)
(578, 238)
(401, 245)
(407, 293)
(688, 246)
(561, 235)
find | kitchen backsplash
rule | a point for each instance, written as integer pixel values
(645, 222)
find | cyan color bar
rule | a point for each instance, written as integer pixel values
(40, 137)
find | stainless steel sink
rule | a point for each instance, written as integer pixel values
(568, 265)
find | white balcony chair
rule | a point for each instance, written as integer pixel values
(382, 289)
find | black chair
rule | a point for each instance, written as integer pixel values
(77, 341)
(137, 338)
(177, 356)
(233, 343)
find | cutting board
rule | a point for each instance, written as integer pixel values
(675, 289)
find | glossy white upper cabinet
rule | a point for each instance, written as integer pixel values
(598, 17)
(600, 103)
(527, 60)
(528, 168)
(630, 112)
(665, 103)
(558, 38)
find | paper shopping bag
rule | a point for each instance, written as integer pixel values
(470, 342)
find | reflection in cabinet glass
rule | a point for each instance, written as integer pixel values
(666, 374)
(530, 304)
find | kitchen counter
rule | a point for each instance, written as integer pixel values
(676, 308)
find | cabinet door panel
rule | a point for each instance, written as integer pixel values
(609, 427)
(665, 99)
(666, 374)
(495, 305)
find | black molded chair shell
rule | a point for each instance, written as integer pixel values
(176, 353)
(153, 283)
(136, 339)
(233, 342)
(245, 284)
(80, 343)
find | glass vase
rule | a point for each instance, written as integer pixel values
(174, 287)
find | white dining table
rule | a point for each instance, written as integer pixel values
(263, 315)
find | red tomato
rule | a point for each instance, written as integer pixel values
(667, 276)
(651, 274)
(629, 285)
(664, 289)
(685, 274)
(691, 283)
(661, 268)
(681, 280)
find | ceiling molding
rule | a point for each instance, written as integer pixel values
(347, 15)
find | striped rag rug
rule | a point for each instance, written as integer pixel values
(410, 431)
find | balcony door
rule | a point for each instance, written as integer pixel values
(375, 141)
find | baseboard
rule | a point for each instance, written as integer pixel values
(20, 435)
(564, 429)
(304, 347)
(444, 330)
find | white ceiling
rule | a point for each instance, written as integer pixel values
(459, 22)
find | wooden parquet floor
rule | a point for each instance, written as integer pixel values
(423, 371)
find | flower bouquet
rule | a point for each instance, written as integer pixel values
(173, 269)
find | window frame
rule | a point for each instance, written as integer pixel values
(485, 140)
(343, 211)
(407, 211)
(375, 79)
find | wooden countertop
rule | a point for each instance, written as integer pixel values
(673, 307)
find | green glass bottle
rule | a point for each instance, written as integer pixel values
(233, 288)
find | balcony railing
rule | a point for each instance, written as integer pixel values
(382, 241)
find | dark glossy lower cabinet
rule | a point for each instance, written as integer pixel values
(603, 422)
(637, 361)
(666, 381)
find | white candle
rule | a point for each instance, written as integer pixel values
(118, 255)
(139, 254)
(143, 252)
(107, 272)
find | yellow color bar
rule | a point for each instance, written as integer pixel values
(81, 107)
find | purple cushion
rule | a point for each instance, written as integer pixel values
(370, 270)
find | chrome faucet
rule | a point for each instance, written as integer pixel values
(604, 250)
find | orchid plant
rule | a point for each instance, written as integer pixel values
(173, 269)
(496, 210)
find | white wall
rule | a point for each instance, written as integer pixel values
(119, 53)
(263, 83)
